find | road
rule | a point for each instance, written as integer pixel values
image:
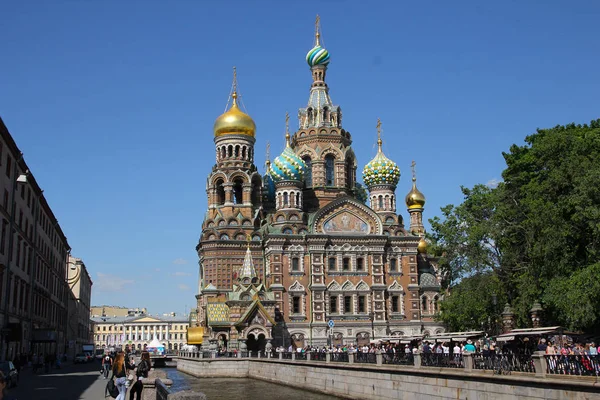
(72, 382)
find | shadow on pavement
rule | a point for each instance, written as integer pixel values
(72, 382)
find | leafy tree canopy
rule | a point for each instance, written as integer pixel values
(537, 233)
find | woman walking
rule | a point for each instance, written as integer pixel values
(119, 372)
(142, 372)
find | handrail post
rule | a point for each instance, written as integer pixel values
(327, 357)
(417, 359)
(468, 361)
(350, 358)
(308, 356)
(539, 362)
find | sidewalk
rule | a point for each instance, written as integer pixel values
(71, 382)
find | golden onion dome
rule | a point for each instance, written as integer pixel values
(234, 122)
(414, 198)
(422, 247)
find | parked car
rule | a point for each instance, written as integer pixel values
(80, 359)
(10, 372)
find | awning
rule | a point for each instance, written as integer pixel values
(195, 335)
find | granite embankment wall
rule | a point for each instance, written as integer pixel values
(397, 382)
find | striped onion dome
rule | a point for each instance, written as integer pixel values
(287, 166)
(317, 56)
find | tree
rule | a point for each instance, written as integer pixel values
(538, 232)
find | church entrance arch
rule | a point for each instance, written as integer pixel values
(222, 341)
(298, 340)
(363, 339)
(256, 338)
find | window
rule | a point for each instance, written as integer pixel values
(424, 304)
(346, 264)
(285, 199)
(380, 203)
(8, 165)
(393, 264)
(347, 304)
(395, 303)
(295, 264)
(331, 263)
(3, 237)
(360, 264)
(333, 304)
(296, 305)
(5, 200)
(329, 171)
(308, 172)
(349, 173)
(238, 191)
(362, 304)
(220, 192)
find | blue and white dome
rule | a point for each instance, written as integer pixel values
(268, 184)
(287, 166)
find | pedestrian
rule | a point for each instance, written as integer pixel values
(141, 372)
(119, 371)
(106, 364)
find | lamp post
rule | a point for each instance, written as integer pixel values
(22, 178)
(372, 317)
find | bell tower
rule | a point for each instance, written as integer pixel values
(321, 142)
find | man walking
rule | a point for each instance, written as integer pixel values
(106, 365)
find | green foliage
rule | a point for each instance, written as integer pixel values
(538, 232)
(360, 192)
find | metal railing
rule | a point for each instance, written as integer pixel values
(339, 357)
(317, 356)
(583, 365)
(442, 360)
(300, 356)
(504, 363)
(399, 358)
(369, 358)
(286, 355)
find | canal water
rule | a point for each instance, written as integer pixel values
(239, 388)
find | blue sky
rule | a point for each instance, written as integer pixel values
(113, 102)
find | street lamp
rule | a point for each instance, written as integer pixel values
(372, 317)
(17, 178)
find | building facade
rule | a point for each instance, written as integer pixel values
(112, 333)
(34, 294)
(284, 253)
(116, 311)
(80, 285)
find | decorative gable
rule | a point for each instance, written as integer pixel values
(346, 216)
(296, 287)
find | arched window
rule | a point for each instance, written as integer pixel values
(243, 152)
(256, 190)
(329, 173)
(285, 199)
(237, 151)
(220, 192)
(308, 173)
(380, 203)
(238, 190)
(424, 304)
(298, 200)
(230, 150)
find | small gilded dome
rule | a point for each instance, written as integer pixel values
(287, 166)
(381, 171)
(414, 198)
(317, 56)
(234, 122)
(422, 247)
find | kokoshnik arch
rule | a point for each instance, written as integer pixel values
(283, 253)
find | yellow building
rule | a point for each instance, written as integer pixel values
(137, 332)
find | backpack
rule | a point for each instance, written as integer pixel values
(111, 389)
(142, 369)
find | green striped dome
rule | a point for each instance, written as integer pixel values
(381, 171)
(317, 56)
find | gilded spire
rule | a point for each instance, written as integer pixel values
(234, 87)
(268, 156)
(317, 30)
(247, 270)
(287, 128)
(379, 141)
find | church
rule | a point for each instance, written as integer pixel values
(302, 254)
